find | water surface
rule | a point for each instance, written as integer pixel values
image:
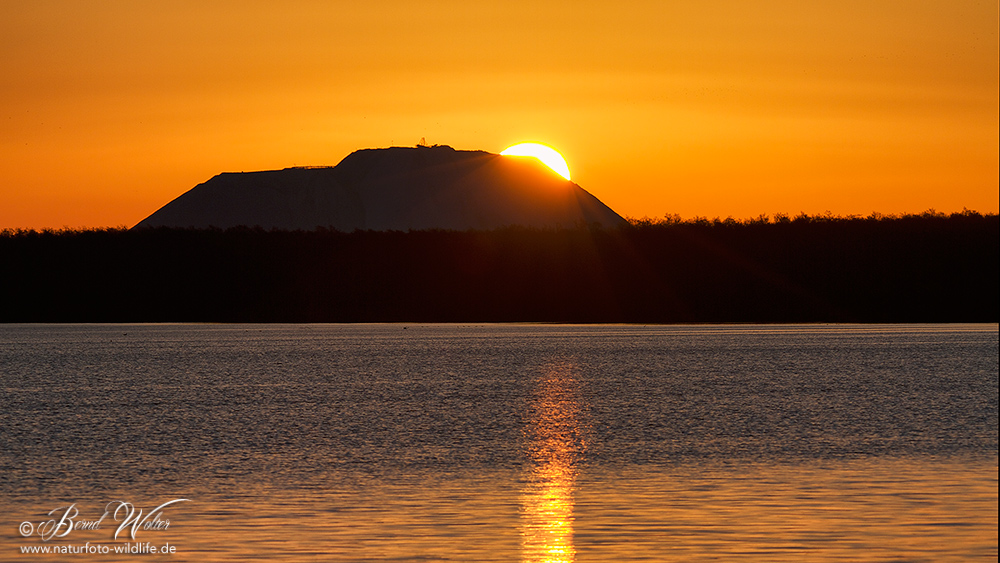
(508, 442)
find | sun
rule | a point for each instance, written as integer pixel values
(548, 155)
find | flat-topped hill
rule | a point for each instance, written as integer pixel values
(391, 189)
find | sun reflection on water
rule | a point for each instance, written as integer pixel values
(554, 444)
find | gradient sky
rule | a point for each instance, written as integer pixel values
(700, 108)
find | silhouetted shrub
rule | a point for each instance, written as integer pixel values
(929, 267)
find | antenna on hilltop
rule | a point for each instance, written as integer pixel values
(423, 143)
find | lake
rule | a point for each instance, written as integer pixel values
(557, 443)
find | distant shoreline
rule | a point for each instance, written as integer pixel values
(905, 269)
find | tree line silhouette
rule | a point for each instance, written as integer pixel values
(912, 268)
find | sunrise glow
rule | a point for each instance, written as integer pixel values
(548, 155)
(711, 108)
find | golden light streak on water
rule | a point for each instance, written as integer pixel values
(547, 521)
(554, 444)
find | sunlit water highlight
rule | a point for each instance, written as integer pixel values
(509, 443)
(554, 445)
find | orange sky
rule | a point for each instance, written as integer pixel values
(710, 108)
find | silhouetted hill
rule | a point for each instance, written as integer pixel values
(391, 189)
(927, 268)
